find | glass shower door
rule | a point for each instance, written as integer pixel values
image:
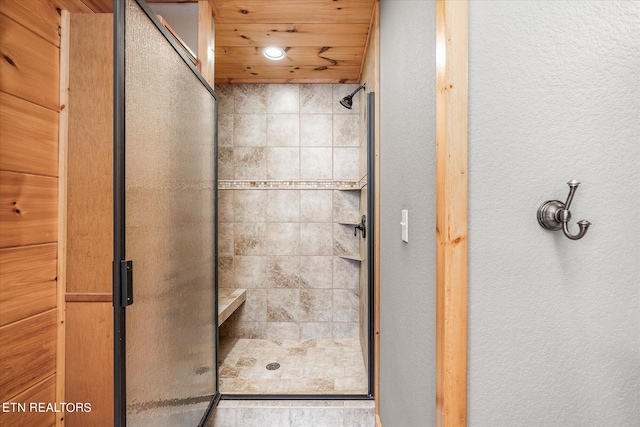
(165, 297)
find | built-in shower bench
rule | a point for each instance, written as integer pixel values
(228, 301)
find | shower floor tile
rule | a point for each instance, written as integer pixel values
(312, 366)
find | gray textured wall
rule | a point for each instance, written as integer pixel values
(407, 181)
(553, 323)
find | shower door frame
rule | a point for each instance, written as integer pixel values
(121, 284)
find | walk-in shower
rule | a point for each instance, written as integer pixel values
(292, 192)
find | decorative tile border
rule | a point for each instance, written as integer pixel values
(290, 185)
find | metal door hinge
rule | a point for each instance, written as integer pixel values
(126, 283)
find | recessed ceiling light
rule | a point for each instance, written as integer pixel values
(273, 52)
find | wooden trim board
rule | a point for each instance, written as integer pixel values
(88, 351)
(62, 211)
(451, 212)
(88, 297)
(206, 40)
(90, 377)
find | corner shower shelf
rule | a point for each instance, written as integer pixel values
(351, 223)
(228, 301)
(351, 257)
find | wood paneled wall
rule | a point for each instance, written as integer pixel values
(31, 317)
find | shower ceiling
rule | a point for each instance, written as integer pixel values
(325, 40)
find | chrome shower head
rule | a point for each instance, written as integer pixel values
(347, 101)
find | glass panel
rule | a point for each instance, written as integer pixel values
(170, 231)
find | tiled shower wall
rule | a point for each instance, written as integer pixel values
(289, 171)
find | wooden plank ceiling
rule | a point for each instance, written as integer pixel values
(324, 39)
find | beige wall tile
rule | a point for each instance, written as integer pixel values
(225, 163)
(254, 309)
(315, 163)
(250, 205)
(346, 206)
(250, 130)
(283, 205)
(315, 305)
(225, 130)
(315, 239)
(363, 162)
(283, 130)
(250, 272)
(346, 274)
(317, 330)
(345, 330)
(250, 238)
(283, 238)
(283, 272)
(250, 163)
(283, 305)
(346, 306)
(227, 329)
(250, 98)
(225, 98)
(316, 205)
(316, 98)
(225, 238)
(225, 271)
(284, 163)
(344, 241)
(346, 131)
(363, 142)
(316, 130)
(283, 330)
(249, 329)
(225, 205)
(283, 98)
(316, 272)
(346, 163)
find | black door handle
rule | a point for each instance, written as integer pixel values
(362, 227)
